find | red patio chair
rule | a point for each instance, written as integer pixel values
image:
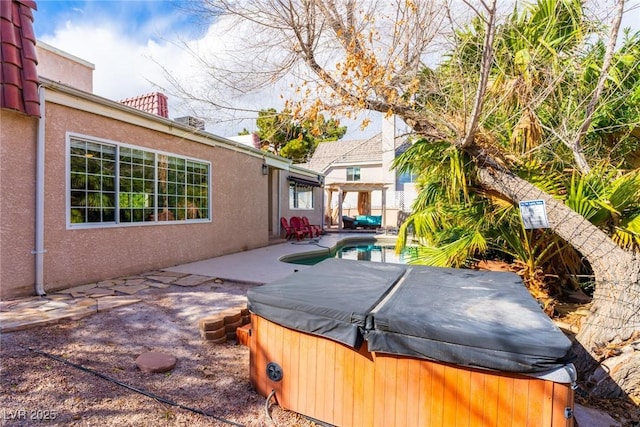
(315, 229)
(296, 223)
(289, 230)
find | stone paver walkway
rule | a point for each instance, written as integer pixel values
(261, 265)
(84, 300)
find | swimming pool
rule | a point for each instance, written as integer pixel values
(374, 251)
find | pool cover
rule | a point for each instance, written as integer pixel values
(470, 318)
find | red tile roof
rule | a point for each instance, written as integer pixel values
(154, 103)
(18, 60)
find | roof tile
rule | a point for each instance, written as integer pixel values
(353, 151)
(154, 103)
(11, 97)
(10, 54)
(18, 59)
(12, 74)
(7, 32)
(5, 8)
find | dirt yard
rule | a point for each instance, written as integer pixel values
(211, 378)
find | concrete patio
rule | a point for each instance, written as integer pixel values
(255, 267)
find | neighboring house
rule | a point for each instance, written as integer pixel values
(250, 139)
(92, 189)
(359, 179)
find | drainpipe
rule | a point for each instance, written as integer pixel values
(279, 199)
(322, 192)
(39, 250)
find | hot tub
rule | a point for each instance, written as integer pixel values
(353, 343)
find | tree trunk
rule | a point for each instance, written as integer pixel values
(608, 344)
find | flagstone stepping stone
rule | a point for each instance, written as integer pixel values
(78, 289)
(169, 273)
(158, 285)
(52, 305)
(134, 282)
(100, 292)
(110, 302)
(162, 278)
(193, 280)
(592, 417)
(59, 297)
(129, 289)
(155, 361)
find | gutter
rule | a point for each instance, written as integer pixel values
(84, 101)
(39, 214)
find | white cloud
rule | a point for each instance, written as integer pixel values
(124, 68)
(127, 67)
(130, 64)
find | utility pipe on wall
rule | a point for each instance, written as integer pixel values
(39, 241)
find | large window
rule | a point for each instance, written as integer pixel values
(116, 184)
(300, 196)
(353, 174)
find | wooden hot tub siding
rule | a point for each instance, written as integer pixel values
(333, 383)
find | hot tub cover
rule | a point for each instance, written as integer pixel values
(469, 318)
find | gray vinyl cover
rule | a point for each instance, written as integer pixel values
(470, 318)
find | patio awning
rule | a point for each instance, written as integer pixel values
(304, 181)
(356, 186)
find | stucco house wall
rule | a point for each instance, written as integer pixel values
(315, 215)
(76, 255)
(46, 101)
(17, 202)
(62, 67)
(84, 255)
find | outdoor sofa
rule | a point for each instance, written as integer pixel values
(364, 221)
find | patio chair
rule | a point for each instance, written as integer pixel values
(296, 223)
(315, 229)
(348, 222)
(290, 231)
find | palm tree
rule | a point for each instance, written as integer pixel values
(521, 150)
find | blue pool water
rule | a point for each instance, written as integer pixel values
(374, 252)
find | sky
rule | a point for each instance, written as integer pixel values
(130, 41)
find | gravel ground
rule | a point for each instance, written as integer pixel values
(36, 390)
(208, 378)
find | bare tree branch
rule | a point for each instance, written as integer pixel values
(485, 68)
(575, 145)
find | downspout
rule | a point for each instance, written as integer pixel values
(279, 200)
(39, 242)
(322, 192)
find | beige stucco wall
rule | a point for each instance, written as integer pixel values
(63, 67)
(17, 203)
(314, 215)
(239, 204)
(239, 200)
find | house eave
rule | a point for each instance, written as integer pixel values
(361, 163)
(74, 98)
(68, 96)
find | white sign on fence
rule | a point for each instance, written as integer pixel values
(534, 214)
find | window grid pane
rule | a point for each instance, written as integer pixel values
(137, 199)
(353, 174)
(300, 196)
(92, 195)
(180, 186)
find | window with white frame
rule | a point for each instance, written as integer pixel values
(300, 196)
(353, 174)
(111, 183)
(406, 177)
